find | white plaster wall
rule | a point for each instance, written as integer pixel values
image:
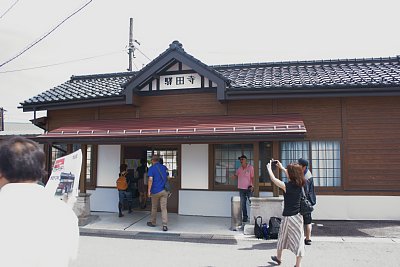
(357, 208)
(104, 199)
(108, 164)
(194, 166)
(208, 203)
(218, 203)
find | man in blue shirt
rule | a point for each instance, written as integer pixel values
(157, 178)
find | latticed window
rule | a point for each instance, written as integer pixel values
(323, 157)
(169, 159)
(227, 162)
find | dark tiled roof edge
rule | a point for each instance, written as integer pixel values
(308, 62)
(102, 75)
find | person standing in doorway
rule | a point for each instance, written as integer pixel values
(36, 229)
(245, 175)
(123, 190)
(310, 193)
(142, 183)
(156, 183)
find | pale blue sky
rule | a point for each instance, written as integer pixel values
(215, 32)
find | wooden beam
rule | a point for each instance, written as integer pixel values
(256, 153)
(82, 180)
(275, 155)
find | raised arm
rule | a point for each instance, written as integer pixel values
(276, 181)
(280, 166)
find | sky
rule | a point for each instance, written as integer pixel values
(215, 32)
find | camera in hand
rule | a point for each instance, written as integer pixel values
(274, 163)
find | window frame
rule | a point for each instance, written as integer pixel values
(92, 183)
(329, 189)
(212, 166)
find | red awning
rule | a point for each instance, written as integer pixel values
(181, 126)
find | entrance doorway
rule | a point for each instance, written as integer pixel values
(132, 155)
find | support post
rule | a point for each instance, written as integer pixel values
(82, 179)
(256, 153)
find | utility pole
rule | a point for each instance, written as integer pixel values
(131, 46)
(1, 119)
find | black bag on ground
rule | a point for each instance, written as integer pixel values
(274, 225)
(257, 227)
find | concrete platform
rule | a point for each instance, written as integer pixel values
(218, 228)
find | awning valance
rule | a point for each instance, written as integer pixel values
(195, 127)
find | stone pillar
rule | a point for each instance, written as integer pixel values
(266, 207)
(82, 208)
(236, 213)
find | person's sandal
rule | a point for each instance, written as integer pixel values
(307, 242)
(165, 228)
(275, 259)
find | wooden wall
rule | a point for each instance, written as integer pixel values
(372, 143)
(368, 127)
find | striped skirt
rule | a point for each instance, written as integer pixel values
(291, 235)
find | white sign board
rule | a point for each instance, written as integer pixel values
(180, 81)
(64, 178)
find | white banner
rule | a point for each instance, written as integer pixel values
(64, 178)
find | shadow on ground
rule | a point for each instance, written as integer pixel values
(388, 229)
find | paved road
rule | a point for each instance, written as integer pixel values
(117, 252)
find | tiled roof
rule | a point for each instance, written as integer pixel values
(341, 73)
(84, 87)
(374, 72)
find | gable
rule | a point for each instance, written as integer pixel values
(175, 69)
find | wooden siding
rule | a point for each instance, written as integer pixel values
(60, 117)
(368, 127)
(250, 107)
(181, 105)
(373, 143)
(322, 117)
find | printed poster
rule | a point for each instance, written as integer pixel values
(64, 178)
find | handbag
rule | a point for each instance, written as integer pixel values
(167, 185)
(305, 205)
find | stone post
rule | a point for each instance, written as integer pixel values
(266, 207)
(82, 208)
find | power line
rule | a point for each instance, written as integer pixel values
(62, 63)
(143, 53)
(9, 9)
(47, 34)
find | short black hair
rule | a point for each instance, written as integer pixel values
(21, 159)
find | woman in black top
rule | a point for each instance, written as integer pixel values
(291, 231)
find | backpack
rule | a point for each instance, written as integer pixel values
(257, 227)
(274, 225)
(122, 184)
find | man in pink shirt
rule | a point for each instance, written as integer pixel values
(245, 175)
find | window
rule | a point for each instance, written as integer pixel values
(323, 156)
(57, 151)
(326, 163)
(226, 161)
(169, 157)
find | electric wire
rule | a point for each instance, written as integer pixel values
(9, 9)
(45, 35)
(62, 63)
(135, 65)
(142, 53)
